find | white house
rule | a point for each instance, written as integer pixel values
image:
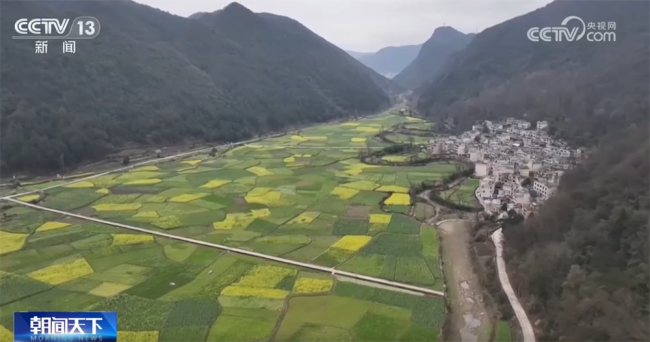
(543, 189)
(481, 169)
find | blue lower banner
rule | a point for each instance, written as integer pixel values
(65, 326)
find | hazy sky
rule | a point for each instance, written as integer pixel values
(368, 25)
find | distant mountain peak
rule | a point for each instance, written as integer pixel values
(445, 32)
(235, 7)
(434, 55)
(445, 29)
(197, 15)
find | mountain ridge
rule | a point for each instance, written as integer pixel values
(164, 79)
(591, 79)
(432, 57)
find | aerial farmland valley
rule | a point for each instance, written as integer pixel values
(305, 198)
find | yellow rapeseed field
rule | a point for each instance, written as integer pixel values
(257, 213)
(312, 286)
(352, 242)
(317, 138)
(259, 191)
(80, 185)
(351, 124)
(146, 214)
(260, 171)
(137, 336)
(270, 198)
(412, 119)
(51, 226)
(157, 199)
(395, 159)
(103, 191)
(192, 162)
(130, 239)
(305, 218)
(380, 218)
(398, 199)
(239, 291)
(104, 181)
(11, 242)
(235, 220)
(108, 289)
(6, 335)
(361, 185)
(265, 276)
(298, 138)
(289, 160)
(213, 184)
(63, 272)
(393, 188)
(357, 169)
(145, 168)
(167, 222)
(358, 140)
(344, 193)
(144, 181)
(29, 198)
(367, 129)
(187, 198)
(117, 207)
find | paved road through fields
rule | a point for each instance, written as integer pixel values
(332, 271)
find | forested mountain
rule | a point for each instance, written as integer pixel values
(581, 264)
(151, 78)
(433, 56)
(584, 89)
(391, 60)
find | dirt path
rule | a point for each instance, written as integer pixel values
(470, 319)
(526, 327)
(425, 196)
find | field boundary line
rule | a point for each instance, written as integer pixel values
(329, 270)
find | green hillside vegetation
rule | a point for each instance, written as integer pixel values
(583, 260)
(154, 78)
(586, 90)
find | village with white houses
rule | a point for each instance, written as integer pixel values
(519, 164)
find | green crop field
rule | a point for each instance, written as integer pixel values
(282, 196)
(303, 196)
(463, 193)
(166, 290)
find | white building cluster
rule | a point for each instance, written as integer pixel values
(513, 151)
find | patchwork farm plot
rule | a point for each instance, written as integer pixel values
(164, 290)
(463, 193)
(303, 197)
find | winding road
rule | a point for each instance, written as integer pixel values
(520, 313)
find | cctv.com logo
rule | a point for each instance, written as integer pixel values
(594, 32)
